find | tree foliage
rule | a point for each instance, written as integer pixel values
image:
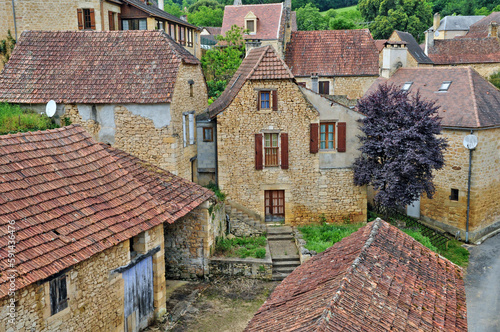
(207, 16)
(173, 8)
(465, 7)
(205, 3)
(309, 18)
(413, 16)
(495, 79)
(6, 47)
(400, 147)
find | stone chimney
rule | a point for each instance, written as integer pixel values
(237, 3)
(493, 29)
(429, 40)
(437, 21)
(184, 18)
(393, 57)
(288, 4)
(161, 4)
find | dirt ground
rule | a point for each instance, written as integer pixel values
(223, 305)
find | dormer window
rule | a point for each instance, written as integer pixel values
(444, 86)
(251, 23)
(406, 87)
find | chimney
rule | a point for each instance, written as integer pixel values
(237, 3)
(493, 29)
(437, 21)
(429, 40)
(393, 57)
(314, 82)
(161, 4)
(184, 18)
(288, 4)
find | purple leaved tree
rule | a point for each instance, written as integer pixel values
(400, 148)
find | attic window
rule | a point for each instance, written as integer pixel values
(445, 86)
(251, 23)
(406, 86)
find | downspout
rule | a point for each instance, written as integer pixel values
(102, 14)
(216, 154)
(468, 196)
(15, 23)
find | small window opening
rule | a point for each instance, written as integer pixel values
(58, 294)
(208, 135)
(445, 86)
(406, 86)
(454, 195)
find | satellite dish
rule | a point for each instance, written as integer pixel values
(50, 109)
(470, 142)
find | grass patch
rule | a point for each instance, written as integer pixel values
(215, 188)
(321, 237)
(242, 247)
(417, 235)
(14, 119)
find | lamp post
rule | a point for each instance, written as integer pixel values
(470, 142)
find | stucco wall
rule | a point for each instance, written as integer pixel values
(309, 190)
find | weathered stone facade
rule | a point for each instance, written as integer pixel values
(485, 183)
(484, 69)
(190, 241)
(248, 267)
(354, 87)
(310, 191)
(95, 294)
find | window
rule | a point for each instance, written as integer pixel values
(171, 30)
(135, 24)
(208, 134)
(445, 86)
(58, 294)
(190, 37)
(251, 26)
(111, 18)
(271, 149)
(265, 99)
(182, 35)
(327, 136)
(324, 88)
(251, 23)
(454, 195)
(302, 84)
(86, 18)
(160, 25)
(406, 86)
(188, 127)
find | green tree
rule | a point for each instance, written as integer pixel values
(204, 3)
(341, 23)
(482, 11)
(206, 16)
(173, 8)
(495, 79)
(6, 47)
(309, 18)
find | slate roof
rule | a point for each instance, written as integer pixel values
(480, 29)
(262, 63)
(413, 47)
(465, 50)
(332, 53)
(214, 31)
(458, 23)
(268, 19)
(470, 102)
(71, 198)
(157, 12)
(98, 67)
(377, 279)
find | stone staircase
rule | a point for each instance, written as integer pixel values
(283, 251)
(243, 224)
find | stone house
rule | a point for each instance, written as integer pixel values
(136, 90)
(334, 62)
(377, 279)
(86, 240)
(479, 48)
(279, 150)
(266, 24)
(468, 104)
(99, 15)
(453, 26)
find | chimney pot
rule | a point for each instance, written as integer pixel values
(493, 29)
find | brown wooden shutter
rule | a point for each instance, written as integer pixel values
(111, 20)
(120, 21)
(341, 132)
(275, 100)
(258, 152)
(284, 150)
(79, 14)
(314, 147)
(258, 100)
(92, 19)
(326, 88)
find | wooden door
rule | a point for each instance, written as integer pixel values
(275, 205)
(139, 307)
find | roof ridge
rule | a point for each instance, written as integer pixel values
(327, 313)
(474, 100)
(39, 132)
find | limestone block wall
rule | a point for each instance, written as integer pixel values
(95, 296)
(190, 241)
(354, 87)
(485, 181)
(309, 190)
(484, 69)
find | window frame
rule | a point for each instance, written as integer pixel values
(253, 26)
(321, 87)
(271, 152)
(182, 35)
(190, 37)
(61, 299)
(86, 14)
(445, 86)
(454, 195)
(205, 137)
(406, 86)
(261, 100)
(326, 133)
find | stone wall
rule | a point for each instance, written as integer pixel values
(485, 181)
(354, 87)
(309, 190)
(484, 69)
(95, 296)
(190, 241)
(248, 267)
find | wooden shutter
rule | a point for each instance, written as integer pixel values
(314, 145)
(275, 100)
(79, 14)
(326, 87)
(120, 21)
(258, 100)
(341, 132)
(111, 19)
(92, 18)
(258, 152)
(284, 150)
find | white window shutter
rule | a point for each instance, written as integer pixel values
(184, 136)
(191, 128)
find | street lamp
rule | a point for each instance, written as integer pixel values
(470, 142)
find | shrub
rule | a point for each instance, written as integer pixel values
(260, 253)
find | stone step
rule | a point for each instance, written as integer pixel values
(287, 258)
(279, 238)
(279, 276)
(279, 230)
(284, 270)
(280, 264)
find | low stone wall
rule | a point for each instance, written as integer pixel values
(304, 254)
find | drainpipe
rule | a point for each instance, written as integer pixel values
(15, 23)
(471, 147)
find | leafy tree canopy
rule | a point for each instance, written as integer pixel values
(400, 147)
(207, 16)
(309, 18)
(465, 7)
(205, 3)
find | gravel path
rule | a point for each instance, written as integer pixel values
(482, 286)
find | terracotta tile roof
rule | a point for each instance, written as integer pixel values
(480, 29)
(380, 44)
(332, 53)
(413, 48)
(268, 19)
(262, 63)
(470, 102)
(465, 50)
(98, 67)
(157, 12)
(214, 31)
(377, 279)
(71, 199)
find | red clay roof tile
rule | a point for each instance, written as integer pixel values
(465, 50)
